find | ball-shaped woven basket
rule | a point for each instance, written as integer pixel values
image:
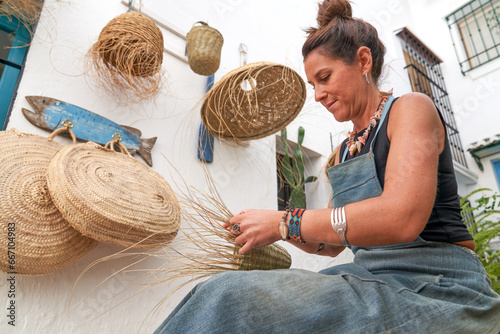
(132, 43)
(204, 45)
(266, 258)
(127, 57)
(112, 197)
(253, 101)
(35, 239)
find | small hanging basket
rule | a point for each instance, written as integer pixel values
(35, 239)
(111, 197)
(204, 45)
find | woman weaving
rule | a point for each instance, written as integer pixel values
(395, 204)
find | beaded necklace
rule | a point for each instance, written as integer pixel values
(356, 145)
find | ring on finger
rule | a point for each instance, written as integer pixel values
(236, 228)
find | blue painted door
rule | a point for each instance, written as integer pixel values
(14, 38)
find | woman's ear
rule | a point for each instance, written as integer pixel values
(364, 58)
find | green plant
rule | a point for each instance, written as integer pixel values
(483, 222)
(293, 172)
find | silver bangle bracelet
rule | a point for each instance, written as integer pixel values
(339, 224)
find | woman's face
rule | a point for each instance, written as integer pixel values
(337, 85)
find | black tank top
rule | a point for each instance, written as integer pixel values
(445, 222)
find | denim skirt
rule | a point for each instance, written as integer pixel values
(418, 287)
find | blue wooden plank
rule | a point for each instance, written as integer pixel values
(205, 139)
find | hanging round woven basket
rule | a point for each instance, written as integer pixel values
(127, 56)
(35, 239)
(112, 197)
(204, 45)
(253, 101)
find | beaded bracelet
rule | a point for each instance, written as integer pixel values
(294, 225)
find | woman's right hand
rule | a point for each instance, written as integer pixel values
(257, 228)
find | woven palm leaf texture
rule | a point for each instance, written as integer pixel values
(253, 101)
(204, 45)
(111, 197)
(35, 239)
(127, 57)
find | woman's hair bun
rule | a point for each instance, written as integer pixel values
(330, 9)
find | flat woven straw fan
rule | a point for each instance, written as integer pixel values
(253, 101)
(111, 197)
(127, 57)
(35, 239)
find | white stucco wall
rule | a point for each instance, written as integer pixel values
(245, 176)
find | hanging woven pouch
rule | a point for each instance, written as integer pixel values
(253, 101)
(35, 239)
(204, 45)
(112, 197)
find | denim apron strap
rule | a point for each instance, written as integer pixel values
(385, 111)
(356, 179)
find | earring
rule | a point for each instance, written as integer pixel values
(367, 80)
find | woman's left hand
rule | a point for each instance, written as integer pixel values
(257, 228)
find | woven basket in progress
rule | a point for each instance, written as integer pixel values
(35, 239)
(266, 258)
(253, 101)
(112, 197)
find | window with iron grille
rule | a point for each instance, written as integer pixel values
(425, 75)
(475, 31)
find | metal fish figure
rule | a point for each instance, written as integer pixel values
(50, 113)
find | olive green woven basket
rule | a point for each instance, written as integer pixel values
(266, 258)
(204, 45)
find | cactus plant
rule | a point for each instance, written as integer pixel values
(293, 172)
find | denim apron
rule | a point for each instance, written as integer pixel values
(418, 287)
(356, 180)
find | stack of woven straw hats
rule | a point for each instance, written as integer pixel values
(58, 201)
